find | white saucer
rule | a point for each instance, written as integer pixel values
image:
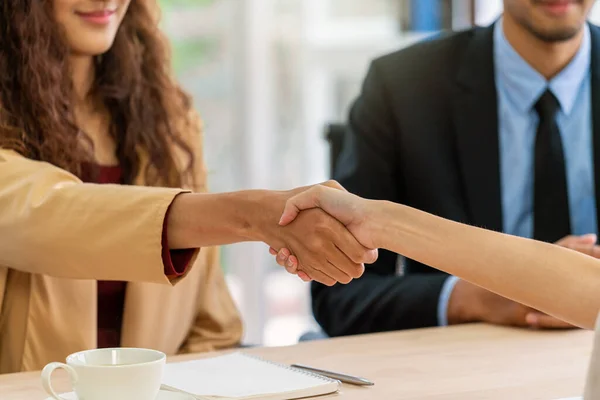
(162, 395)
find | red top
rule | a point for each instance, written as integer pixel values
(111, 295)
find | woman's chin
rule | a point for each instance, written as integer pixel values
(92, 48)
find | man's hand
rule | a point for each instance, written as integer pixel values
(585, 244)
(470, 303)
(323, 248)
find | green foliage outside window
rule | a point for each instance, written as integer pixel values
(170, 4)
(188, 52)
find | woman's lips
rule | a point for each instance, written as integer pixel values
(102, 17)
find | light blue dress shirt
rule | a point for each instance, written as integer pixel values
(519, 87)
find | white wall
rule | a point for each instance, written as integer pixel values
(595, 14)
(486, 11)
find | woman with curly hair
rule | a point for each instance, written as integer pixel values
(102, 203)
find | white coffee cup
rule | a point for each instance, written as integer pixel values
(113, 374)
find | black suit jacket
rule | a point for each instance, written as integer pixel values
(424, 132)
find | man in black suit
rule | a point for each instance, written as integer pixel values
(497, 127)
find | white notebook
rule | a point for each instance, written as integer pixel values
(239, 376)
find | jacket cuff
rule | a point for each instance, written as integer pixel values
(176, 262)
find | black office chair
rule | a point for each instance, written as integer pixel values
(334, 134)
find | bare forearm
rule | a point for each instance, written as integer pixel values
(200, 220)
(549, 278)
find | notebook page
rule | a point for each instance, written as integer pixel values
(239, 376)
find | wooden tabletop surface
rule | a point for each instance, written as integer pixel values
(464, 362)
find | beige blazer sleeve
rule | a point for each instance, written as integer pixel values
(53, 224)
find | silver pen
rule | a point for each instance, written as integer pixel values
(353, 380)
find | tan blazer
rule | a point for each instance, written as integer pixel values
(59, 235)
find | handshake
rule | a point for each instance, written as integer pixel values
(324, 234)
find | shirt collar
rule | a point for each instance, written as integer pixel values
(524, 85)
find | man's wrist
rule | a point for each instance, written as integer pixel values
(444, 299)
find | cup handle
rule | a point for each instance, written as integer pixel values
(47, 378)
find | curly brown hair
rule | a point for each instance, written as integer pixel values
(150, 113)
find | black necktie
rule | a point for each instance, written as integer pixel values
(550, 198)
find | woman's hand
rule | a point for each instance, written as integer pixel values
(352, 211)
(349, 209)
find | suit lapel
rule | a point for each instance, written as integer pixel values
(595, 69)
(475, 114)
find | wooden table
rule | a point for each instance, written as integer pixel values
(466, 362)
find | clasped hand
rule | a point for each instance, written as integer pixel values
(318, 244)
